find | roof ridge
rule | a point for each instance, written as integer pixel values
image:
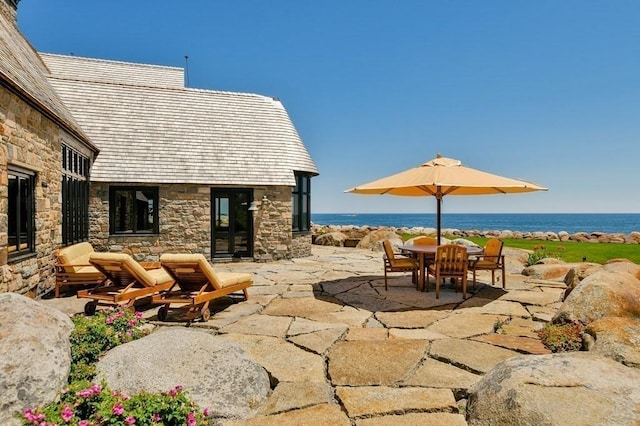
(112, 61)
(168, 88)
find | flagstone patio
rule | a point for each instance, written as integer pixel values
(342, 350)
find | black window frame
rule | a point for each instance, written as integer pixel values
(75, 196)
(114, 222)
(21, 212)
(301, 203)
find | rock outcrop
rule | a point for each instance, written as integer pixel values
(559, 389)
(602, 294)
(617, 338)
(35, 355)
(217, 373)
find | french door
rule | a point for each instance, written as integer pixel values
(231, 223)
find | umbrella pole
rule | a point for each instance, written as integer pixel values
(439, 213)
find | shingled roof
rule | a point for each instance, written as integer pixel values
(149, 130)
(24, 73)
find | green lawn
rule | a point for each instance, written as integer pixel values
(571, 251)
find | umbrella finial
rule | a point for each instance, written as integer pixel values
(439, 155)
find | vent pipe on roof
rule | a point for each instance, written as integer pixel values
(186, 71)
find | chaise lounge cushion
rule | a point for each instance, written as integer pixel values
(75, 258)
(109, 263)
(219, 280)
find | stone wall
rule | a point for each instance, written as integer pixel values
(185, 224)
(33, 142)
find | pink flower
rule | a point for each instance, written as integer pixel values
(83, 423)
(130, 420)
(156, 417)
(118, 409)
(67, 413)
(138, 314)
(206, 412)
(109, 320)
(96, 388)
(179, 388)
(32, 417)
(132, 323)
(191, 419)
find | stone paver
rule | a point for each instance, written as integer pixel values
(295, 395)
(265, 325)
(281, 359)
(475, 356)
(318, 341)
(377, 400)
(410, 319)
(525, 345)
(412, 419)
(466, 325)
(437, 374)
(361, 363)
(318, 415)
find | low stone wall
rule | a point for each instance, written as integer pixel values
(594, 237)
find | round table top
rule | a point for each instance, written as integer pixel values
(418, 248)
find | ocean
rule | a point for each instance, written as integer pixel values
(609, 223)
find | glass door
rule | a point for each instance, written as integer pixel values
(231, 223)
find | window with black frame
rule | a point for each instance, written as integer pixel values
(133, 210)
(75, 196)
(301, 203)
(21, 212)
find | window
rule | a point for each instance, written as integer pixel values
(21, 212)
(75, 196)
(133, 210)
(301, 203)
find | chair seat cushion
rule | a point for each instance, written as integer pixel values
(485, 264)
(404, 263)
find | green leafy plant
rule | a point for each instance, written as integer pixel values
(497, 326)
(98, 405)
(87, 404)
(542, 252)
(93, 336)
(563, 337)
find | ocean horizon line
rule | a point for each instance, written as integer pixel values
(610, 223)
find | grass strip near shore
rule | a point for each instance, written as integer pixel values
(574, 251)
(569, 251)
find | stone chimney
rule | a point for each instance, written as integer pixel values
(9, 9)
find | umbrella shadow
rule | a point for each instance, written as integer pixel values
(368, 293)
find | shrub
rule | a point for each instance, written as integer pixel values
(541, 252)
(87, 404)
(97, 405)
(562, 337)
(93, 336)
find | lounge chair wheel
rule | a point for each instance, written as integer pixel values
(90, 308)
(206, 314)
(162, 313)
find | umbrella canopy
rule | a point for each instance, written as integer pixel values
(444, 176)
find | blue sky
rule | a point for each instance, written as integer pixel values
(547, 91)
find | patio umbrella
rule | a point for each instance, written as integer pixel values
(444, 176)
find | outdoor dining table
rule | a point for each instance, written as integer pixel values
(424, 251)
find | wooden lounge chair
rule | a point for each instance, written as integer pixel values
(492, 260)
(73, 268)
(197, 284)
(398, 264)
(451, 261)
(127, 280)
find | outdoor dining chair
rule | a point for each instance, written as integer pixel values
(492, 260)
(451, 261)
(398, 264)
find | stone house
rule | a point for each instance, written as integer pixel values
(187, 170)
(45, 158)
